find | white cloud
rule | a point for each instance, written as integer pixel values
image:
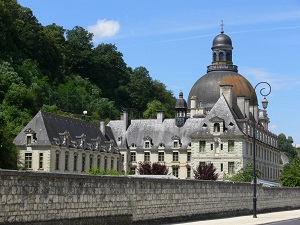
(273, 127)
(104, 28)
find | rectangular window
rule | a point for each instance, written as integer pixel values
(221, 146)
(41, 159)
(175, 144)
(91, 162)
(211, 147)
(66, 161)
(230, 167)
(188, 156)
(147, 144)
(132, 170)
(175, 171)
(202, 145)
(175, 156)
(188, 172)
(83, 163)
(75, 162)
(221, 167)
(29, 142)
(201, 163)
(105, 163)
(57, 161)
(161, 156)
(98, 162)
(112, 163)
(123, 157)
(147, 156)
(28, 160)
(230, 145)
(132, 156)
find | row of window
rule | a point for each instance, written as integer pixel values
(202, 146)
(262, 136)
(28, 162)
(161, 156)
(263, 153)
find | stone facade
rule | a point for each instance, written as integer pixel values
(46, 197)
(215, 126)
(55, 143)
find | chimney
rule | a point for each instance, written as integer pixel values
(241, 104)
(226, 90)
(125, 120)
(102, 127)
(160, 116)
(247, 107)
(193, 106)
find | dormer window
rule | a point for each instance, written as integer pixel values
(30, 136)
(161, 145)
(66, 138)
(176, 142)
(147, 142)
(82, 141)
(216, 127)
(133, 145)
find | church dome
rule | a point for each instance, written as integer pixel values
(181, 103)
(222, 40)
(221, 72)
(207, 88)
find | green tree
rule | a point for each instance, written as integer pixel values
(96, 171)
(243, 175)
(8, 151)
(290, 176)
(152, 108)
(286, 145)
(206, 172)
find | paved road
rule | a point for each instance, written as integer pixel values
(286, 222)
(291, 217)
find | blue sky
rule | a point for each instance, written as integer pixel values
(173, 39)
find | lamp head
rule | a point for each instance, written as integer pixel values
(265, 103)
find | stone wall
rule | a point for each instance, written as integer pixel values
(51, 197)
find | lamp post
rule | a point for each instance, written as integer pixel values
(265, 105)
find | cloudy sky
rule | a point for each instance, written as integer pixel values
(173, 38)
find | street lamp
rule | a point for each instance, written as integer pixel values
(265, 105)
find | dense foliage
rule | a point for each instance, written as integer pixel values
(62, 71)
(286, 145)
(290, 176)
(206, 172)
(146, 168)
(96, 171)
(243, 175)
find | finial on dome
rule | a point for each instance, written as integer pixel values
(222, 27)
(180, 94)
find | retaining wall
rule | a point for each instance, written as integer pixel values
(51, 198)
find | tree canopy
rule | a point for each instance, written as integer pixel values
(286, 145)
(61, 70)
(243, 175)
(206, 172)
(290, 176)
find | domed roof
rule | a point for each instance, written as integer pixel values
(180, 103)
(222, 40)
(207, 88)
(221, 72)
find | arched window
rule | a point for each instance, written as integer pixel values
(216, 127)
(228, 57)
(214, 57)
(221, 56)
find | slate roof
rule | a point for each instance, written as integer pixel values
(158, 132)
(48, 127)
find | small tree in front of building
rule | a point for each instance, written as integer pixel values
(206, 172)
(243, 175)
(146, 168)
(290, 176)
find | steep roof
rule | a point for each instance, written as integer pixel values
(220, 110)
(48, 127)
(158, 132)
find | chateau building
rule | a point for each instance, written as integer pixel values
(214, 126)
(55, 143)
